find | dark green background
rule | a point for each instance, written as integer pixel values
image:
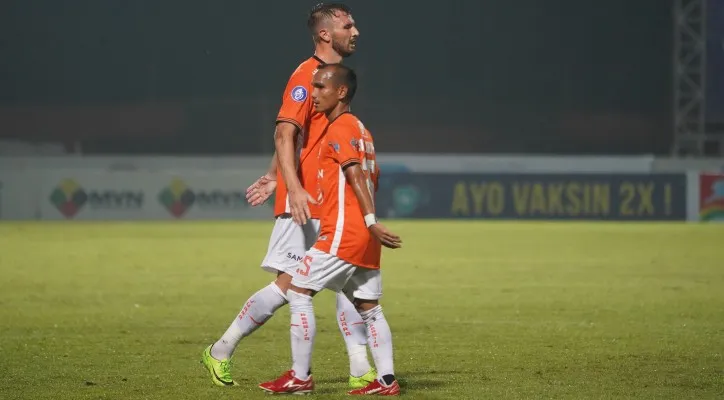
(558, 76)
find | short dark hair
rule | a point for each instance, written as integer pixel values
(321, 12)
(346, 76)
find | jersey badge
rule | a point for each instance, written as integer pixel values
(299, 94)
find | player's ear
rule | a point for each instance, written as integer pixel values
(342, 92)
(325, 34)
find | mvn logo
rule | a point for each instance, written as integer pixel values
(69, 198)
(178, 198)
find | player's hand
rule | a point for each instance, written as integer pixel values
(299, 201)
(260, 191)
(387, 238)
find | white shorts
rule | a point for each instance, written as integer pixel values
(288, 243)
(319, 270)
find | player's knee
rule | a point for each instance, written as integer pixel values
(307, 292)
(283, 282)
(374, 312)
(363, 305)
(299, 302)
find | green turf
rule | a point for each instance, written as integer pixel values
(478, 311)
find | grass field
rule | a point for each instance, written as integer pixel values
(479, 310)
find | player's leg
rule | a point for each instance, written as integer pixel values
(286, 246)
(317, 271)
(365, 286)
(353, 330)
(350, 326)
(256, 311)
(303, 329)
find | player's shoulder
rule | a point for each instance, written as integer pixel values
(305, 70)
(353, 125)
(345, 124)
(349, 120)
(299, 84)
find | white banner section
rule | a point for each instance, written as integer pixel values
(148, 196)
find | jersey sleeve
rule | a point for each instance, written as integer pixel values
(296, 103)
(345, 146)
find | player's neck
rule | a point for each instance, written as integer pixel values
(327, 54)
(337, 111)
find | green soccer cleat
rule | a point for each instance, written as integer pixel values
(219, 370)
(364, 380)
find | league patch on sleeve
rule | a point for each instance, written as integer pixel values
(299, 94)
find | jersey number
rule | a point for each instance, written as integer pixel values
(307, 261)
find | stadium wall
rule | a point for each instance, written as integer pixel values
(413, 186)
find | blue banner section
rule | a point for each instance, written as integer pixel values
(715, 61)
(635, 197)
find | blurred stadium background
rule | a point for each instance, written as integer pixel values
(173, 93)
(173, 77)
(528, 110)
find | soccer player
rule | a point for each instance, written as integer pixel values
(298, 136)
(346, 256)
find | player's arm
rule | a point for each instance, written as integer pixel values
(358, 181)
(284, 141)
(293, 116)
(272, 172)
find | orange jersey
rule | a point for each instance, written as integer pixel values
(297, 109)
(343, 232)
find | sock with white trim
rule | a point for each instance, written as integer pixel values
(354, 332)
(303, 328)
(257, 310)
(379, 339)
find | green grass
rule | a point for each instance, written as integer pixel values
(479, 310)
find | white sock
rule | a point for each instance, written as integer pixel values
(302, 331)
(257, 310)
(354, 333)
(379, 338)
